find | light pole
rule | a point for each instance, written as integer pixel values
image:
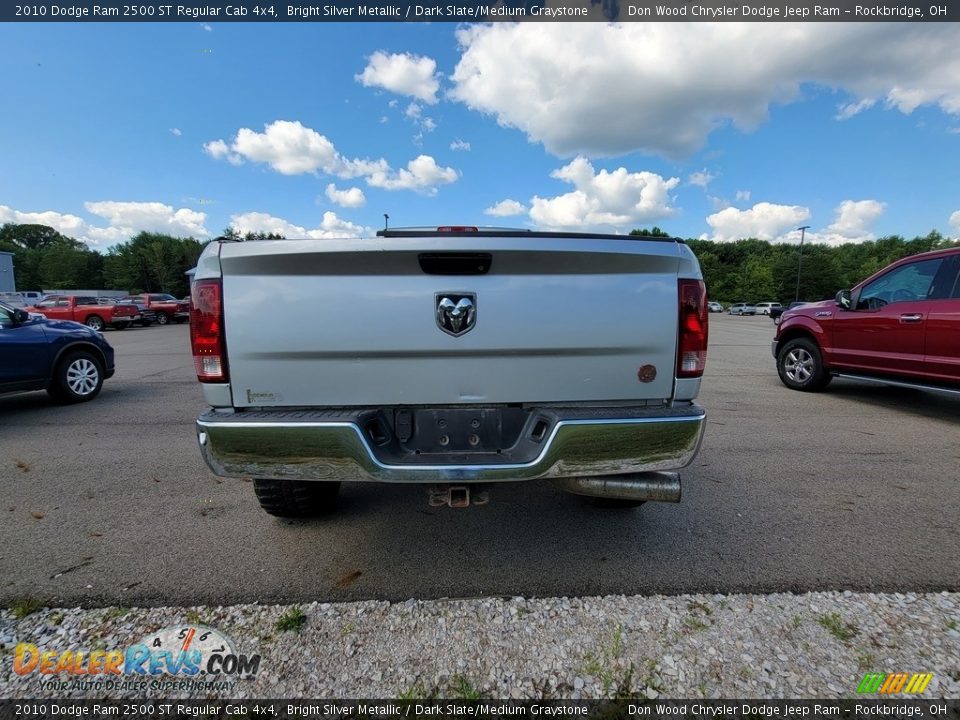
(803, 232)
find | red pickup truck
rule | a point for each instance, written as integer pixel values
(167, 307)
(87, 310)
(900, 326)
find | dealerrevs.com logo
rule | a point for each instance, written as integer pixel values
(181, 657)
(894, 683)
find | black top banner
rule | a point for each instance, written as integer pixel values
(478, 11)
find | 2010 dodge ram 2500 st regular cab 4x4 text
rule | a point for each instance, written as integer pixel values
(450, 357)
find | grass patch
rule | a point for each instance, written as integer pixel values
(834, 624)
(25, 606)
(951, 624)
(695, 624)
(193, 617)
(606, 666)
(463, 690)
(292, 620)
(115, 612)
(415, 692)
(796, 621)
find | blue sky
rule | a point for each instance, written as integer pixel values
(720, 131)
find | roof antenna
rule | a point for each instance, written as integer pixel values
(386, 221)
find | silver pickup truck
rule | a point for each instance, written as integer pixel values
(453, 357)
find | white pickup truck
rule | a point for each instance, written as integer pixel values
(453, 357)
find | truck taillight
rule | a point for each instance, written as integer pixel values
(692, 338)
(206, 331)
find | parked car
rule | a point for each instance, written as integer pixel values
(777, 312)
(714, 307)
(14, 301)
(899, 326)
(68, 360)
(167, 308)
(87, 310)
(146, 316)
(764, 308)
(742, 309)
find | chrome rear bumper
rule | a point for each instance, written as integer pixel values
(322, 446)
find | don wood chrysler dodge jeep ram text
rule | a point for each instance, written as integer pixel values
(451, 357)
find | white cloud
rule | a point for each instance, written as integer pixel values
(402, 73)
(330, 227)
(617, 198)
(719, 73)
(206, 27)
(286, 146)
(125, 219)
(955, 221)
(718, 203)
(291, 148)
(421, 174)
(133, 217)
(350, 198)
(848, 110)
(459, 144)
(853, 221)
(219, 150)
(414, 113)
(176, 131)
(506, 208)
(701, 179)
(765, 221)
(63, 223)
(743, 196)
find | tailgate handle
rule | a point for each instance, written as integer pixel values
(455, 263)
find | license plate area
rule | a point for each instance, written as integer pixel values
(457, 435)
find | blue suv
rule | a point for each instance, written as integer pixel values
(68, 360)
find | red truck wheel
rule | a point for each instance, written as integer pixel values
(95, 322)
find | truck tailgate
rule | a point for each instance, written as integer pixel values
(355, 322)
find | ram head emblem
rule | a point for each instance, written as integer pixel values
(456, 312)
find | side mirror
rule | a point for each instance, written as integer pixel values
(843, 299)
(20, 316)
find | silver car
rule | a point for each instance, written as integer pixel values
(764, 308)
(742, 309)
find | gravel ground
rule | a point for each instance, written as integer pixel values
(688, 646)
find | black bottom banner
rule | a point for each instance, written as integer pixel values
(547, 709)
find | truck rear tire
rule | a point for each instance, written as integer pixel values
(296, 499)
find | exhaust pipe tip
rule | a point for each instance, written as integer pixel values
(659, 486)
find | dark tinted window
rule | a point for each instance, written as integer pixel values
(913, 281)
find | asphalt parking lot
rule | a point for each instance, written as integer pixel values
(109, 502)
